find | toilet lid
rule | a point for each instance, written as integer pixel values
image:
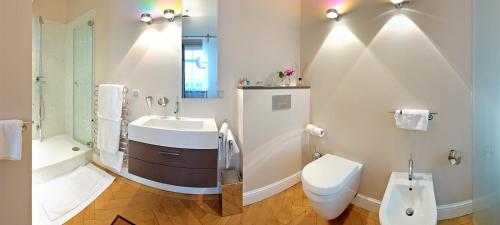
(329, 174)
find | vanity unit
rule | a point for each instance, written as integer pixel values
(180, 153)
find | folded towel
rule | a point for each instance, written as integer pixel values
(110, 101)
(108, 142)
(108, 135)
(222, 140)
(232, 148)
(112, 161)
(412, 119)
(11, 139)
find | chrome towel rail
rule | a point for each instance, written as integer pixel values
(124, 124)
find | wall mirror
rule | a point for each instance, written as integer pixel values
(199, 49)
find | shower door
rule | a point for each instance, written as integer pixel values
(486, 200)
(82, 82)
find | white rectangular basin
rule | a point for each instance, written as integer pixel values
(409, 202)
(188, 133)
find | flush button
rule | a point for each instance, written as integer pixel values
(282, 102)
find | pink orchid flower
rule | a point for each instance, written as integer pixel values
(289, 72)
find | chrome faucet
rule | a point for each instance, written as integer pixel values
(177, 109)
(410, 168)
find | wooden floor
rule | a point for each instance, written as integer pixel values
(144, 205)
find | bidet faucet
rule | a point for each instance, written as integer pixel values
(410, 169)
(177, 109)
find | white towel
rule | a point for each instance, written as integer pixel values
(11, 139)
(110, 101)
(109, 125)
(108, 142)
(112, 161)
(108, 135)
(412, 119)
(222, 140)
(232, 148)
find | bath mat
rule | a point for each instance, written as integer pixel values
(59, 200)
(121, 221)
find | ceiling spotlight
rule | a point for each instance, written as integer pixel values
(333, 14)
(398, 3)
(146, 18)
(169, 14)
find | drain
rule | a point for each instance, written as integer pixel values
(411, 189)
(75, 149)
(410, 212)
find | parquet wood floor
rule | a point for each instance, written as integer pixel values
(143, 205)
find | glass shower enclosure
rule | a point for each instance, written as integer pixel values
(486, 200)
(83, 82)
(62, 79)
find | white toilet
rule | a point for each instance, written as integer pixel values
(330, 183)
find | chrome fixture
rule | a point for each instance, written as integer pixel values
(163, 101)
(169, 14)
(431, 114)
(316, 156)
(410, 212)
(398, 3)
(410, 168)
(454, 158)
(333, 14)
(149, 101)
(146, 18)
(177, 109)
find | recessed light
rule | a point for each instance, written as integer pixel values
(398, 3)
(333, 14)
(169, 14)
(146, 18)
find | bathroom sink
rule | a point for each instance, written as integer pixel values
(409, 202)
(187, 133)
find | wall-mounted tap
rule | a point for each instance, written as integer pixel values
(149, 101)
(177, 109)
(410, 169)
(163, 101)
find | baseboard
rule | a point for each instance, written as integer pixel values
(365, 202)
(448, 211)
(270, 190)
(454, 210)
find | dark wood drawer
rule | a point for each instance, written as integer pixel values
(175, 157)
(173, 175)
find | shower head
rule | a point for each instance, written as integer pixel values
(40, 19)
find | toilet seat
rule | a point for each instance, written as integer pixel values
(329, 175)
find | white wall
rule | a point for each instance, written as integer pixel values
(273, 142)
(378, 59)
(54, 10)
(15, 102)
(149, 57)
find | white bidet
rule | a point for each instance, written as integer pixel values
(409, 202)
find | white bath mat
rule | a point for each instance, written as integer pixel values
(58, 200)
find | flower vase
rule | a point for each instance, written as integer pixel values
(285, 82)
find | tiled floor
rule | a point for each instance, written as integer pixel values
(144, 205)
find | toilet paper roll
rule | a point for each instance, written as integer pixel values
(315, 130)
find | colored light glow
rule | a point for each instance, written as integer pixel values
(156, 7)
(342, 6)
